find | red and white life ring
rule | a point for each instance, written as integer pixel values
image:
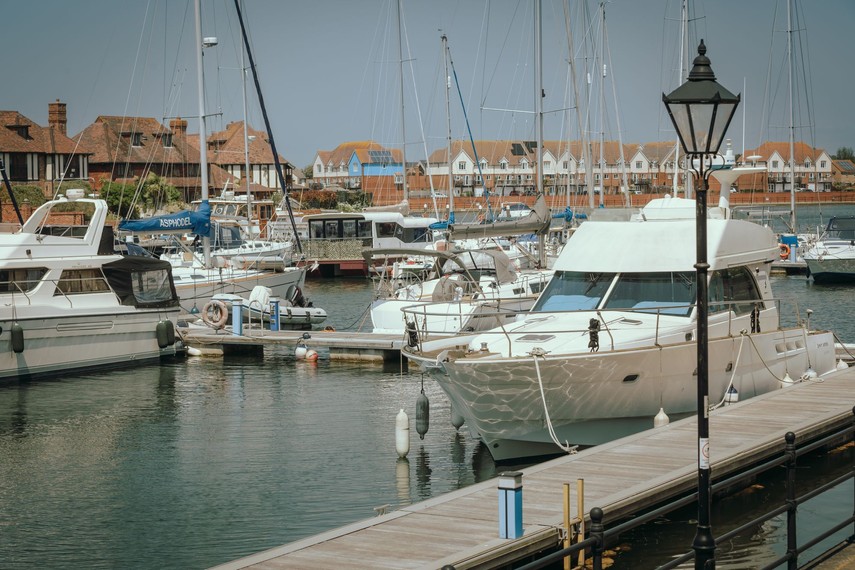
(785, 250)
(215, 314)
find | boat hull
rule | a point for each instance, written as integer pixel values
(54, 345)
(195, 293)
(592, 398)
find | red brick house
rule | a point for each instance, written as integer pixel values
(41, 156)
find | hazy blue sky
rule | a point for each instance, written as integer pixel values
(329, 68)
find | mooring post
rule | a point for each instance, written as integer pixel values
(510, 504)
(274, 313)
(792, 545)
(598, 532)
(237, 317)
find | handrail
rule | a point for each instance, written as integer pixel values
(787, 458)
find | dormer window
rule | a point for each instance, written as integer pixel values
(22, 131)
(807, 163)
(503, 164)
(524, 163)
(136, 139)
(167, 140)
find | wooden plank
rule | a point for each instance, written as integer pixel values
(622, 477)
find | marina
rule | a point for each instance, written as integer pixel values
(280, 450)
(218, 359)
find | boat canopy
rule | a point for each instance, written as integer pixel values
(536, 221)
(142, 281)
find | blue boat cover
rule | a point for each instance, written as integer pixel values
(185, 221)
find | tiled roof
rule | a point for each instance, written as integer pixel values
(111, 138)
(513, 151)
(342, 153)
(844, 166)
(46, 140)
(227, 146)
(801, 150)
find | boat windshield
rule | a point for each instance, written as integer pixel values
(573, 291)
(841, 228)
(669, 293)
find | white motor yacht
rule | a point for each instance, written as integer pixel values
(68, 301)
(611, 340)
(832, 257)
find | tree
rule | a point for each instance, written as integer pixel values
(308, 172)
(844, 153)
(157, 193)
(119, 198)
(34, 195)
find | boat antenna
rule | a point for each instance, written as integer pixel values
(276, 162)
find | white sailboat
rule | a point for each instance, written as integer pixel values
(197, 282)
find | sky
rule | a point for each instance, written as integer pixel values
(330, 70)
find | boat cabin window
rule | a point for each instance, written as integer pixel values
(21, 280)
(573, 291)
(332, 229)
(413, 235)
(841, 228)
(80, 281)
(733, 289)
(387, 229)
(669, 293)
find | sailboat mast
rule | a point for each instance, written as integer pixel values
(602, 70)
(792, 119)
(267, 126)
(538, 98)
(246, 146)
(448, 122)
(203, 137)
(403, 125)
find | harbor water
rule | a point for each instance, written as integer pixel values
(197, 462)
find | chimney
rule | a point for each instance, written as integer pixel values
(178, 126)
(56, 116)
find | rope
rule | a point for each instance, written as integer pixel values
(733, 373)
(565, 447)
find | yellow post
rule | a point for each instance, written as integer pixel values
(580, 513)
(567, 529)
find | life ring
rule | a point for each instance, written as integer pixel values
(785, 250)
(215, 314)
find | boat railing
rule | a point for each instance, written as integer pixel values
(728, 319)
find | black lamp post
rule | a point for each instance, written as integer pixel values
(701, 111)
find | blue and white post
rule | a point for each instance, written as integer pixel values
(237, 317)
(274, 313)
(510, 504)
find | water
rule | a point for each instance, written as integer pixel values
(202, 461)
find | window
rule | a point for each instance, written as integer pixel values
(774, 164)
(573, 291)
(638, 164)
(547, 165)
(733, 289)
(503, 165)
(564, 165)
(822, 164)
(21, 280)
(17, 167)
(665, 292)
(75, 281)
(167, 140)
(461, 165)
(136, 139)
(386, 229)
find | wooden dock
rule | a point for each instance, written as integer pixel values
(621, 477)
(342, 345)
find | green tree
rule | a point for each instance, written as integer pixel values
(119, 198)
(34, 195)
(157, 193)
(844, 153)
(308, 172)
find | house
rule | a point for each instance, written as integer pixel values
(812, 166)
(41, 156)
(843, 174)
(227, 150)
(359, 165)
